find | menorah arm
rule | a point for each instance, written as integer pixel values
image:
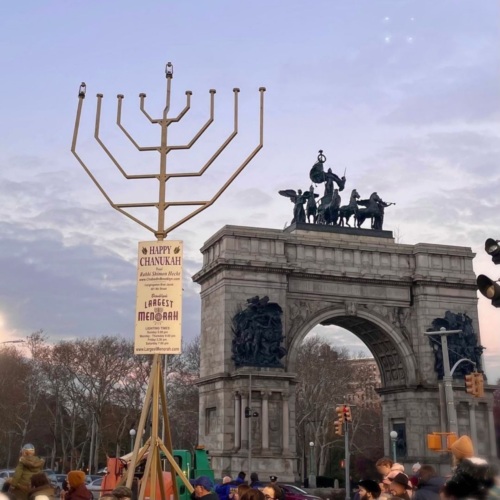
(219, 151)
(184, 111)
(107, 151)
(202, 130)
(89, 173)
(119, 123)
(235, 174)
(142, 97)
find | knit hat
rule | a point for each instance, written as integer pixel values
(203, 481)
(398, 467)
(416, 467)
(76, 478)
(462, 448)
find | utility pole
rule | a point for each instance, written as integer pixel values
(451, 411)
(155, 394)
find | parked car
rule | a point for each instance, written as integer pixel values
(5, 474)
(295, 493)
(53, 480)
(95, 487)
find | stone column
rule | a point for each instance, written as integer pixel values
(265, 420)
(244, 422)
(472, 421)
(491, 429)
(286, 423)
(237, 421)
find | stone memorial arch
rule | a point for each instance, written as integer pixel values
(386, 293)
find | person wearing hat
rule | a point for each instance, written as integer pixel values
(462, 448)
(77, 489)
(472, 476)
(28, 464)
(369, 489)
(255, 482)
(400, 485)
(203, 486)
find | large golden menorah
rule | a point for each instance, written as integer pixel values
(155, 399)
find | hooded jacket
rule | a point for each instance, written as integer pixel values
(430, 489)
(27, 466)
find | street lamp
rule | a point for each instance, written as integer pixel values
(451, 411)
(394, 437)
(132, 433)
(312, 475)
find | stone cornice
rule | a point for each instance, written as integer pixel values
(223, 264)
(216, 377)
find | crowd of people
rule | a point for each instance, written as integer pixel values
(29, 482)
(471, 478)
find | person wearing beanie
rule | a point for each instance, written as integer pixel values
(462, 448)
(77, 489)
(414, 478)
(29, 464)
(41, 488)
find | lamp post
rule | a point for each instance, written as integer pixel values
(451, 411)
(394, 437)
(312, 474)
(132, 433)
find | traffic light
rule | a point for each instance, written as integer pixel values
(339, 428)
(489, 288)
(347, 413)
(479, 384)
(248, 413)
(340, 413)
(492, 248)
(471, 384)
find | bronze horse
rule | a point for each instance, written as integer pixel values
(346, 211)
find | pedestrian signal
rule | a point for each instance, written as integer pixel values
(347, 413)
(471, 384)
(248, 413)
(340, 413)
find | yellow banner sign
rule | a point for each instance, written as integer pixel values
(158, 312)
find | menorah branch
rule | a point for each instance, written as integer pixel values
(202, 130)
(184, 111)
(107, 151)
(219, 151)
(120, 98)
(235, 174)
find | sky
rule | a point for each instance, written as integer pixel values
(405, 95)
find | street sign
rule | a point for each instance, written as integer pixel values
(158, 316)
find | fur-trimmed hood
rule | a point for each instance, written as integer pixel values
(32, 463)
